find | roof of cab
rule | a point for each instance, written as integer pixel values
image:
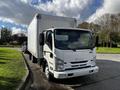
(68, 28)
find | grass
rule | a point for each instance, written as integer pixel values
(105, 50)
(10, 46)
(12, 68)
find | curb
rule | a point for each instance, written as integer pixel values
(26, 78)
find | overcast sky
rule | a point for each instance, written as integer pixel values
(17, 14)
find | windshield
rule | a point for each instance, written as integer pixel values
(73, 39)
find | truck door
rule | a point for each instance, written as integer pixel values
(48, 50)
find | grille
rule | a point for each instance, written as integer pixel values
(78, 62)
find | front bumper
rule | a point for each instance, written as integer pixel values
(75, 73)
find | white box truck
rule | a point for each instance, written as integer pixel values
(62, 50)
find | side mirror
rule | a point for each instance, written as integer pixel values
(41, 39)
(97, 41)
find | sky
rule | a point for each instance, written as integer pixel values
(17, 14)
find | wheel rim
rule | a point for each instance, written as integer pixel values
(47, 72)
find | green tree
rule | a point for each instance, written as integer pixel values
(115, 37)
(5, 36)
(92, 26)
(84, 25)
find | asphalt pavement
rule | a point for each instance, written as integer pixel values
(108, 77)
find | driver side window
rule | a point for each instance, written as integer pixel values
(49, 39)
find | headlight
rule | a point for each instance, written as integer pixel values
(93, 62)
(59, 64)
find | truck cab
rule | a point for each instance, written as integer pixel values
(67, 52)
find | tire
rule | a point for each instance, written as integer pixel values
(47, 73)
